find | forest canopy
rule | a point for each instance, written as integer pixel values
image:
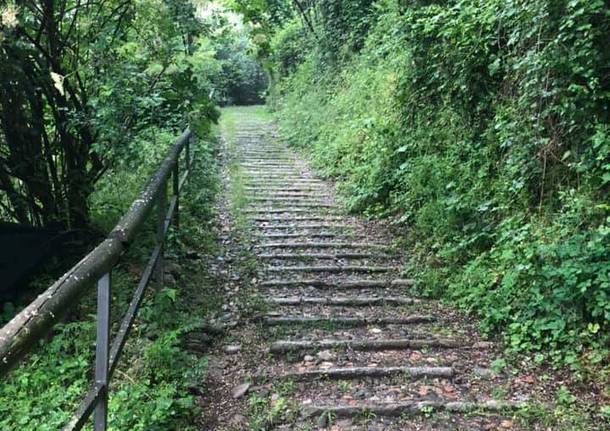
(84, 84)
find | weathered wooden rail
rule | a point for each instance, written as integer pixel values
(36, 320)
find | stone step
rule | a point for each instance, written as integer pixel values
(332, 269)
(410, 408)
(271, 221)
(290, 201)
(282, 194)
(281, 236)
(286, 179)
(368, 372)
(322, 256)
(297, 209)
(287, 346)
(290, 190)
(295, 182)
(298, 245)
(339, 284)
(355, 301)
(272, 320)
(306, 226)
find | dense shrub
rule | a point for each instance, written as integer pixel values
(483, 128)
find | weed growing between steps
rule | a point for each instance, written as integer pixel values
(152, 388)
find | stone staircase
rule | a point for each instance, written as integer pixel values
(342, 325)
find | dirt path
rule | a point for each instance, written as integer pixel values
(326, 333)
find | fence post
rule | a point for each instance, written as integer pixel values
(101, 351)
(187, 154)
(176, 192)
(161, 209)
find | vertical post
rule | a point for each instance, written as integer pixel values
(101, 351)
(161, 209)
(187, 153)
(176, 192)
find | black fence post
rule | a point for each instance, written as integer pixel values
(101, 351)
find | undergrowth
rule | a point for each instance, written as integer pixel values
(482, 131)
(150, 389)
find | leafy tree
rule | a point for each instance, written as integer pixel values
(79, 79)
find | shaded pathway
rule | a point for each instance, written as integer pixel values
(339, 341)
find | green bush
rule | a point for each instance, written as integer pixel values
(482, 128)
(151, 387)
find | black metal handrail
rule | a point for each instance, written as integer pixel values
(33, 322)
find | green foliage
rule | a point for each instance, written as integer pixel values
(78, 89)
(150, 389)
(483, 129)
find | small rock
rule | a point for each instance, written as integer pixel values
(483, 345)
(361, 394)
(309, 358)
(240, 390)
(169, 279)
(325, 355)
(485, 373)
(232, 348)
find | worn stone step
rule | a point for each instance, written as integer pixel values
(303, 184)
(322, 256)
(355, 301)
(306, 207)
(410, 408)
(332, 269)
(290, 201)
(294, 182)
(345, 373)
(254, 157)
(287, 346)
(338, 284)
(306, 226)
(295, 220)
(268, 201)
(247, 165)
(336, 244)
(271, 173)
(280, 220)
(270, 165)
(282, 194)
(303, 190)
(272, 320)
(286, 179)
(282, 236)
(299, 209)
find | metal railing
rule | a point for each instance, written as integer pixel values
(31, 324)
